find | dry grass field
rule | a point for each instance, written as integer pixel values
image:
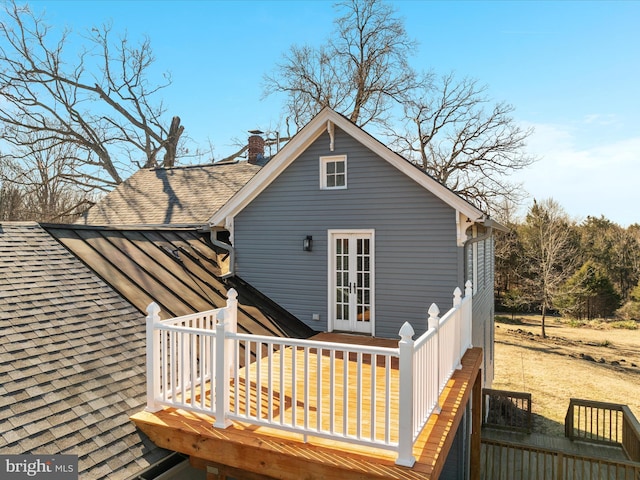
(594, 362)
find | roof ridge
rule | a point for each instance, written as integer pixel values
(199, 165)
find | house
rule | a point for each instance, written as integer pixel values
(72, 356)
(349, 237)
(335, 234)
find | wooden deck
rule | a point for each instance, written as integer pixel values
(264, 452)
(563, 444)
(519, 456)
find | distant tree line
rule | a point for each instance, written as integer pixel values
(549, 263)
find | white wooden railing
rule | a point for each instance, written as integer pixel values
(367, 395)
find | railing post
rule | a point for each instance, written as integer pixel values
(153, 358)
(568, 421)
(221, 374)
(405, 401)
(434, 322)
(460, 324)
(468, 315)
(457, 297)
(231, 319)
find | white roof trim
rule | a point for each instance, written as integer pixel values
(305, 137)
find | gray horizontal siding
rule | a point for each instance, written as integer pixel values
(483, 308)
(416, 258)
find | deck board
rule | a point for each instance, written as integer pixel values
(283, 454)
(584, 449)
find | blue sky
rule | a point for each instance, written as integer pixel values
(571, 69)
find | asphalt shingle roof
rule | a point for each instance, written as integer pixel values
(70, 359)
(171, 196)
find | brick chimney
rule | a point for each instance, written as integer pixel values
(256, 147)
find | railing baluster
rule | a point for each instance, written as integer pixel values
(387, 400)
(281, 401)
(258, 367)
(359, 395)
(172, 373)
(319, 399)
(294, 381)
(306, 388)
(332, 392)
(270, 381)
(212, 369)
(373, 397)
(345, 392)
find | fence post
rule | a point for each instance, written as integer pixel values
(153, 358)
(460, 325)
(434, 322)
(405, 401)
(221, 374)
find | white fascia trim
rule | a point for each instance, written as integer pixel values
(272, 169)
(306, 137)
(452, 199)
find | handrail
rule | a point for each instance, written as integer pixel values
(603, 422)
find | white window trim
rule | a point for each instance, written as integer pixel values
(323, 171)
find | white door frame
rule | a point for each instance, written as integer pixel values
(354, 326)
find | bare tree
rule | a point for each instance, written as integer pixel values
(549, 250)
(100, 102)
(463, 140)
(45, 180)
(10, 202)
(452, 130)
(359, 72)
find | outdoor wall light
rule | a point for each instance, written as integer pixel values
(307, 243)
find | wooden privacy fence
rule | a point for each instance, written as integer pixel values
(511, 461)
(603, 422)
(361, 394)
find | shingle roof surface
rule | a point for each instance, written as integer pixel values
(177, 196)
(70, 359)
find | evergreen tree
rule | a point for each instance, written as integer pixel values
(589, 294)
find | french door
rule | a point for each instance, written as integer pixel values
(351, 281)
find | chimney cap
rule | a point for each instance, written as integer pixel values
(256, 132)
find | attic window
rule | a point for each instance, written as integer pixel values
(333, 172)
